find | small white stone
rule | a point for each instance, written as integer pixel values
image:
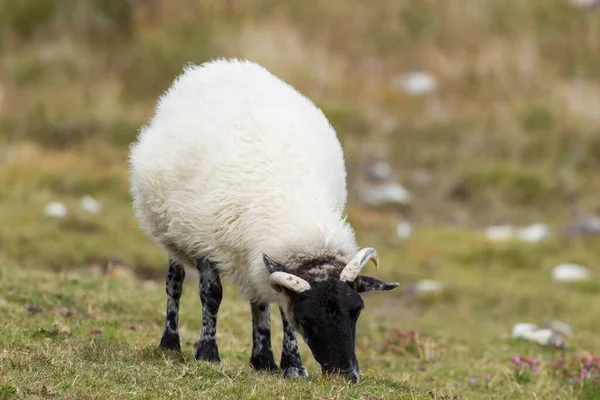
(523, 329)
(404, 230)
(380, 171)
(544, 336)
(559, 327)
(56, 209)
(428, 286)
(415, 83)
(533, 233)
(500, 232)
(588, 225)
(570, 272)
(91, 205)
(389, 193)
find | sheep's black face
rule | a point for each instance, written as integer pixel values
(326, 318)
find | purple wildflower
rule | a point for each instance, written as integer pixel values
(516, 360)
(536, 370)
(488, 377)
(584, 372)
(588, 362)
(472, 381)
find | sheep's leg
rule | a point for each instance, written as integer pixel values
(291, 363)
(174, 287)
(262, 353)
(211, 293)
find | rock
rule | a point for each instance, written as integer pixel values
(91, 205)
(559, 327)
(404, 230)
(379, 171)
(500, 232)
(533, 233)
(428, 286)
(570, 272)
(522, 329)
(415, 83)
(385, 194)
(589, 225)
(56, 209)
(543, 336)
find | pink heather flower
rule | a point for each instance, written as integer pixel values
(536, 370)
(516, 360)
(472, 381)
(584, 372)
(588, 362)
(488, 377)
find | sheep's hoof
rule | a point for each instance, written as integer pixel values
(207, 351)
(295, 372)
(263, 362)
(170, 341)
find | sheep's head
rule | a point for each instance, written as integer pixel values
(325, 311)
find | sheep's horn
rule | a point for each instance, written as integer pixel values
(353, 268)
(289, 281)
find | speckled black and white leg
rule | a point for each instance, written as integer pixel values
(211, 293)
(291, 363)
(262, 353)
(174, 287)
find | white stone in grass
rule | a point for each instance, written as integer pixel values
(415, 83)
(428, 286)
(543, 336)
(403, 230)
(533, 233)
(91, 205)
(569, 272)
(386, 194)
(500, 233)
(56, 209)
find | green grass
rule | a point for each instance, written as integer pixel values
(47, 346)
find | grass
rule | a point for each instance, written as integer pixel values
(510, 136)
(49, 318)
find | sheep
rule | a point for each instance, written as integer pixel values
(239, 175)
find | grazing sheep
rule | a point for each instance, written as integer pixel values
(241, 176)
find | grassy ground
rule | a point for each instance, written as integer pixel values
(511, 135)
(49, 318)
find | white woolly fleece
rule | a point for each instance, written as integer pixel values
(235, 163)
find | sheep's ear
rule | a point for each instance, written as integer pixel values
(367, 284)
(271, 265)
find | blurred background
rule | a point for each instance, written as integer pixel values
(461, 113)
